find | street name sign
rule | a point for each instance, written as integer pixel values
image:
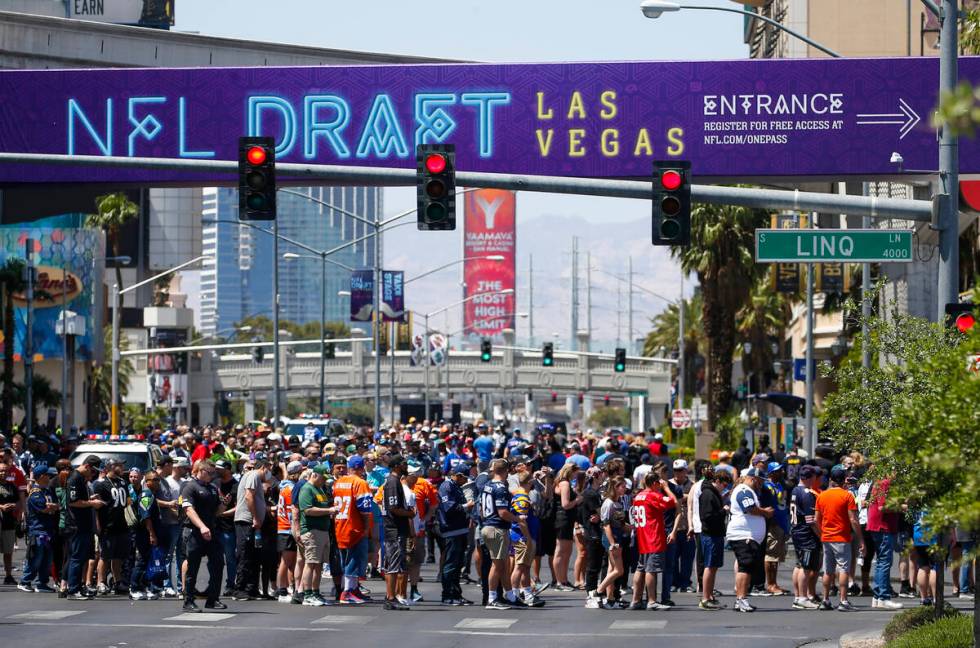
(735, 120)
(851, 246)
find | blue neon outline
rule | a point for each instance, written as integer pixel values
(105, 147)
(392, 135)
(182, 131)
(486, 101)
(140, 126)
(329, 130)
(255, 106)
(424, 119)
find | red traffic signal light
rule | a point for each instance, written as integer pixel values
(256, 155)
(965, 322)
(672, 202)
(671, 180)
(436, 186)
(435, 163)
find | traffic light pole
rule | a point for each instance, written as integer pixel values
(323, 333)
(949, 189)
(377, 322)
(275, 324)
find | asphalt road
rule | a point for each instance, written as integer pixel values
(115, 622)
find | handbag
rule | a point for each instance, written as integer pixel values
(157, 566)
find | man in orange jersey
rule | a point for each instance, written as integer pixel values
(426, 503)
(352, 525)
(285, 541)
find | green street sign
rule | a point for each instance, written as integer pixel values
(852, 246)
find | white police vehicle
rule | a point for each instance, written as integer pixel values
(313, 426)
(131, 449)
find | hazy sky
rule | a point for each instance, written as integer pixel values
(505, 31)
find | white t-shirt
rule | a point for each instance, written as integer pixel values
(743, 526)
(418, 525)
(694, 497)
(641, 471)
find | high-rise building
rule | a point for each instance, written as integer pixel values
(239, 284)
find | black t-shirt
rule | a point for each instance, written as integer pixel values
(591, 505)
(114, 492)
(394, 497)
(228, 488)
(670, 515)
(203, 498)
(80, 519)
(802, 510)
(9, 495)
(494, 497)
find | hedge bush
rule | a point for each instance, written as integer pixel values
(950, 632)
(913, 618)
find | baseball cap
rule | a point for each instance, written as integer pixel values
(182, 462)
(755, 472)
(294, 467)
(395, 460)
(680, 464)
(838, 474)
(462, 468)
(322, 469)
(759, 458)
(223, 464)
(52, 472)
(93, 460)
(39, 470)
(658, 437)
(774, 466)
(414, 468)
(260, 458)
(356, 462)
(808, 472)
(330, 447)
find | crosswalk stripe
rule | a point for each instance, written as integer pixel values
(658, 624)
(349, 619)
(485, 624)
(203, 617)
(47, 614)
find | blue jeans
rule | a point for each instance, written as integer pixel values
(883, 563)
(79, 551)
(169, 533)
(228, 545)
(37, 566)
(685, 561)
(668, 576)
(965, 567)
(354, 559)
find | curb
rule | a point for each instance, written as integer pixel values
(868, 638)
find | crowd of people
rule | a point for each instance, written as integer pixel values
(609, 514)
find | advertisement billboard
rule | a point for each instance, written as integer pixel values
(146, 13)
(490, 230)
(392, 295)
(745, 119)
(68, 264)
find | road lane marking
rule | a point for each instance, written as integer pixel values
(471, 623)
(202, 617)
(346, 619)
(47, 615)
(638, 625)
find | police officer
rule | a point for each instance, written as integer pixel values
(200, 501)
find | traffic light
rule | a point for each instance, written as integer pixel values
(960, 317)
(329, 351)
(548, 355)
(672, 203)
(486, 350)
(554, 397)
(620, 364)
(258, 354)
(256, 178)
(606, 400)
(436, 180)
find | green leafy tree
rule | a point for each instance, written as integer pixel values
(765, 314)
(720, 254)
(609, 417)
(11, 282)
(114, 211)
(100, 380)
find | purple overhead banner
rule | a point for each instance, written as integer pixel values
(732, 119)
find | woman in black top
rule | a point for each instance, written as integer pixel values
(567, 501)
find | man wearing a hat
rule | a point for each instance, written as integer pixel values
(250, 510)
(314, 525)
(81, 524)
(806, 538)
(42, 528)
(285, 540)
(746, 534)
(836, 517)
(353, 496)
(454, 522)
(114, 540)
(228, 492)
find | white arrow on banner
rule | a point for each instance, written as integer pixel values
(907, 118)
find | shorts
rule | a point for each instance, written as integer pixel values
(524, 552)
(355, 558)
(394, 553)
(808, 558)
(836, 556)
(565, 531)
(651, 563)
(548, 541)
(285, 542)
(497, 542)
(316, 546)
(415, 551)
(713, 551)
(924, 559)
(775, 544)
(8, 538)
(115, 546)
(749, 554)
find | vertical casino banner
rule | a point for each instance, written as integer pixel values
(69, 263)
(490, 230)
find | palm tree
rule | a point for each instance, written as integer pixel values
(11, 282)
(766, 313)
(100, 400)
(720, 253)
(114, 211)
(665, 332)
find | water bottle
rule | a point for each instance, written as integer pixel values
(258, 538)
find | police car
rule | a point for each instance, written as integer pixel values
(323, 427)
(131, 449)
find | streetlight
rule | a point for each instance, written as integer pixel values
(116, 305)
(505, 291)
(655, 8)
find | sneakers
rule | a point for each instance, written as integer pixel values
(534, 602)
(886, 604)
(190, 606)
(826, 605)
(452, 602)
(363, 593)
(403, 601)
(78, 596)
(312, 600)
(759, 591)
(151, 595)
(102, 590)
(497, 605)
(416, 597)
(742, 605)
(25, 587)
(805, 604)
(284, 597)
(854, 590)
(137, 595)
(350, 598)
(593, 603)
(710, 605)
(215, 605)
(169, 592)
(608, 605)
(466, 602)
(667, 603)
(242, 596)
(926, 602)
(966, 596)
(540, 587)
(564, 587)
(845, 606)
(906, 591)
(44, 589)
(395, 605)
(653, 605)
(638, 605)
